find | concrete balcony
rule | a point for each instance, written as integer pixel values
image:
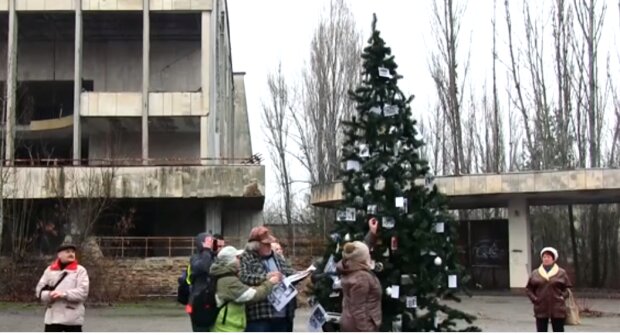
(111, 104)
(215, 181)
(108, 5)
(176, 104)
(496, 190)
(129, 104)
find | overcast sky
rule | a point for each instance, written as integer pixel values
(266, 32)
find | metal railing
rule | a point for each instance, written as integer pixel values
(179, 246)
(255, 159)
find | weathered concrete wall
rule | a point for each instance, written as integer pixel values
(242, 138)
(236, 225)
(114, 66)
(136, 182)
(183, 146)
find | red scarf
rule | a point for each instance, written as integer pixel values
(56, 265)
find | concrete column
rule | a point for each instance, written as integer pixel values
(146, 45)
(11, 83)
(519, 242)
(77, 85)
(206, 46)
(213, 217)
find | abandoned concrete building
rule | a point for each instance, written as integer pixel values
(138, 98)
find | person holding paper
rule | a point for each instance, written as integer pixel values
(231, 294)
(547, 288)
(64, 288)
(361, 302)
(260, 263)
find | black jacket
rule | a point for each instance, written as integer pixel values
(200, 263)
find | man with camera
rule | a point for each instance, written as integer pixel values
(64, 288)
(207, 246)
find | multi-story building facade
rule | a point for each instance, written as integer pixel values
(139, 90)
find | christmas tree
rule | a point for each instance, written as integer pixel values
(415, 250)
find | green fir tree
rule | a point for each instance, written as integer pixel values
(415, 250)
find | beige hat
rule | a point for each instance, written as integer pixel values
(358, 252)
(551, 251)
(228, 254)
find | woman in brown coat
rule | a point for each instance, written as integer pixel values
(361, 303)
(548, 290)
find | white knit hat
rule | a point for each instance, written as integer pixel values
(552, 251)
(228, 254)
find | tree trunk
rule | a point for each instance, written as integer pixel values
(573, 240)
(594, 246)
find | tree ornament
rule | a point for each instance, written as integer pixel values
(388, 222)
(380, 184)
(364, 151)
(394, 243)
(411, 302)
(347, 237)
(353, 165)
(390, 110)
(384, 72)
(382, 129)
(438, 261)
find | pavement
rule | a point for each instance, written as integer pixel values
(495, 313)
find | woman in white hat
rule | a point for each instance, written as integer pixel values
(548, 291)
(231, 294)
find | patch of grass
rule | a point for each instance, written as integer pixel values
(7, 306)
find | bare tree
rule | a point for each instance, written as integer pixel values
(277, 119)
(443, 68)
(590, 103)
(334, 68)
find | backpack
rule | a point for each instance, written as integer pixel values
(183, 289)
(206, 304)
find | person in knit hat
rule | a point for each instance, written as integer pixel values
(361, 303)
(547, 288)
(231, 294)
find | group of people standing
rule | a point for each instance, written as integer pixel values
(244, 278)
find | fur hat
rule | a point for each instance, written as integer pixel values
(358, 252)
(550, 250)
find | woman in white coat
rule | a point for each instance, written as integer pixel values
(64, 288)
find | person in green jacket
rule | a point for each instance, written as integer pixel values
(231, 294)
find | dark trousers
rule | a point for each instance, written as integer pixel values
(56, 328)
(280, 325)
(542, 325)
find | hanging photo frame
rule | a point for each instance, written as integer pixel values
(384, 72)
(350, 214)
(411, 302)
(388, 222)
(353, 165)
(364, 151)
(341, 215)
(390, 110)
(375, 110)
